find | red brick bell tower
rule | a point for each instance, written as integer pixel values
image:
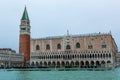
(24, 39)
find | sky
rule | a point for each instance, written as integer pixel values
(55, 17)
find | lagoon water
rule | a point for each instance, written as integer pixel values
(60, 75)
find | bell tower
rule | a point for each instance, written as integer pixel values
(24, 38)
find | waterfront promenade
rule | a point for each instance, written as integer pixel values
(59, 69)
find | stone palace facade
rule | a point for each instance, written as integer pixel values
(92, 50)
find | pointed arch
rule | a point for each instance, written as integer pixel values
(92, 63)
(63, 64)
(59, 46)
(95, 55)
(106, 55)
(103, 63)
(58, 64)
(37, 64)
(97, 63)
(109, 55)
(103, 55)
(108, 62)
(37, 47)
(53, 64)
(73, 56)
(82, 63)
(72, 64)
(49, 64)
(32, 64)
(40, 63)
(47, 47)
(68, 47)
(82, 55)
(45, 64)
(87, 63)
(92, 55)
(78, 56)
(67, 63)
(87, 55)
(98, 56)
(77, 45)
(77, 63)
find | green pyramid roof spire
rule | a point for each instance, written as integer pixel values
(25, 15)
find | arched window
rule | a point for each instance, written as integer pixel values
(58, 46)
(77, 45)
(109, 55)
(37, 47)
(90, 46)
(103, 45)
(68, 47)
(48, 47)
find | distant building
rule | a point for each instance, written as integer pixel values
(89, 50)
(9, 58)
(118, 58)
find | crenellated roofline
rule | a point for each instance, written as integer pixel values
(74, 36)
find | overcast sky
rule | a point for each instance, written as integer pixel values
(55, 17)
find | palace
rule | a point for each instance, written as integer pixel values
(92, 50)
(83, 51)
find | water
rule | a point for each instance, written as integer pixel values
(60, 75)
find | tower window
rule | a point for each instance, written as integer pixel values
(68, 47)
(90, 46)
(59, 46)
(37, 47)
(48, 47)
(77, 45)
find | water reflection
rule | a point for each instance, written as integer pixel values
(24, 75)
